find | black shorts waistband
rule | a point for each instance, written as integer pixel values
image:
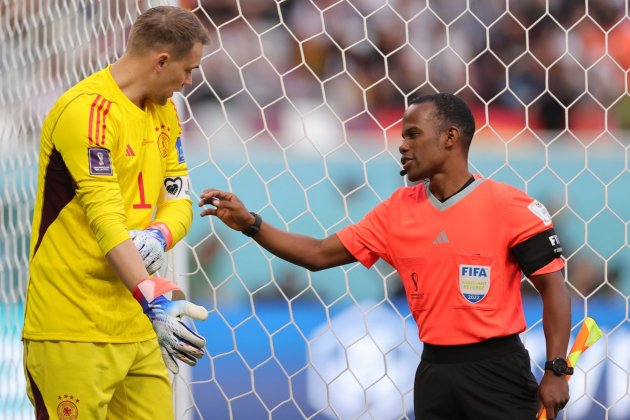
(493, 347)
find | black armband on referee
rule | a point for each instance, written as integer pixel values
(537, 251)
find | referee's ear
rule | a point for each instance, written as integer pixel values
(452, 137)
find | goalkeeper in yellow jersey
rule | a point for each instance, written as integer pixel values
(112, 196)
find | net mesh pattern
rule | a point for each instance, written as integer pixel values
(296, 108)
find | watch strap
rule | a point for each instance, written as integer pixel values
(549, 365)
(255, 227)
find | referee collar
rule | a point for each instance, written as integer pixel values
(470, 185)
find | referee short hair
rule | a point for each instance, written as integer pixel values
(452, 111)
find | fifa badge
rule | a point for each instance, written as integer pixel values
(474, 282)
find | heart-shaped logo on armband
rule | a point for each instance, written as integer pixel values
(173, 185)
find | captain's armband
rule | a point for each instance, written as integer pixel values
(175, 188)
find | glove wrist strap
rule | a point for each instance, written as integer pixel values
(149, 289)
(168, 236)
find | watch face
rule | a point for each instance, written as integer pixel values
(560, 366)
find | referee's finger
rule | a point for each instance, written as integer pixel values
(211, 193)
(208, 212)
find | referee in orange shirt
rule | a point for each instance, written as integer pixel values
(460, 244)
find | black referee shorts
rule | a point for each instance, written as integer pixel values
(491, 380)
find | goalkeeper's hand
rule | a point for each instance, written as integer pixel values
(151, 244)
(176, 340)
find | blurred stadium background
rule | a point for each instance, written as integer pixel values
(296, 109)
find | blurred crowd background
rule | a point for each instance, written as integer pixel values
(539, 76)
(547, 65)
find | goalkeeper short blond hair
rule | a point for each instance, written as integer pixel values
(168, 27)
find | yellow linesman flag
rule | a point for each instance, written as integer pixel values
(589, 333)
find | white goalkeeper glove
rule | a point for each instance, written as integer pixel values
(176, 340)
(151, 244)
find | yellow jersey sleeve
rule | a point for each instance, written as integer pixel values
(174, 207)
(86, 136)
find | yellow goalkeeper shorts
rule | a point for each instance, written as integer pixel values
(69, 380)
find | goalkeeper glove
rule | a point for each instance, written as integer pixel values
(176, 340)
(151, 244)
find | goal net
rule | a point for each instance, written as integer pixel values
(296, 108)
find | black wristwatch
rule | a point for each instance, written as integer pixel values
(559, 367)
(253, 229)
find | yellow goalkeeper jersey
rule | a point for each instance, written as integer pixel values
(105, 167)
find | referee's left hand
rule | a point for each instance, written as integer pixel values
(227, 207)
(553, 394)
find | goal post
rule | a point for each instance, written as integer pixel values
(296, 108)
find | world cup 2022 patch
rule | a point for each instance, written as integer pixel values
(100, 161)
(474, 282)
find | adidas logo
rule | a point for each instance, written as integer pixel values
(441, 239)
(129, 151)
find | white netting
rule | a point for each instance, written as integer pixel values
(296, 109)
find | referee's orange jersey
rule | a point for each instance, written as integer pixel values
(461, 282)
